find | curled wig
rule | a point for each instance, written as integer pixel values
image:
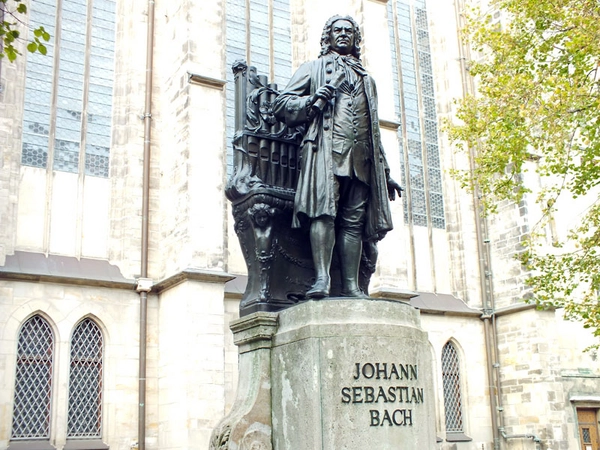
(326, 36)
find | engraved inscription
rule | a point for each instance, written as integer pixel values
(383, 394)
(386, 371)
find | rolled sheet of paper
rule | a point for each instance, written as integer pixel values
(339, 77)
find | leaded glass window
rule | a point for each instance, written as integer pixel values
(415, 103)
(38, 90)
(452, 389)
(236, 50)
(85, 382)
(259, 32)
(81, 82)
(33, 381)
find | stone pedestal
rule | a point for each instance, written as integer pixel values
(248, 425)
(352, 374)
(345, 374)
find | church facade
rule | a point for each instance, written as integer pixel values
(120, 269)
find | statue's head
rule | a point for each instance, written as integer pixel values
(341, 34)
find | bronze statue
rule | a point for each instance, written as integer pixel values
(344, 181)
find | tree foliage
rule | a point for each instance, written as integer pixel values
(11, 13)
(538, 99)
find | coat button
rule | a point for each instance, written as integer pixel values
(326, 127)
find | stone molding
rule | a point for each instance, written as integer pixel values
(389, 124)
(41, 268)
(203, 80)
(32, 444)
(393, 293)
(457, 437)
(85, 444)
(594, 399)
(191, 274)
(578, 373)
(254, 331)
(514, 309)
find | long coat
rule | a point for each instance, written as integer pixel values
(315, 192)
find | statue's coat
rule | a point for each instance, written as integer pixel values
(315, 193)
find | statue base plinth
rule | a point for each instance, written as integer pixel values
(343, 374)
(248, 425)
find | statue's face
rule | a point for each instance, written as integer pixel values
(342, 37)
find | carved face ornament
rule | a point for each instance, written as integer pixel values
(342, 37)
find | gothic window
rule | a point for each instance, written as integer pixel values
(85, 382)
(415, 103)
(258, 32)
(68, 92)
(33, 383)
(452, 389)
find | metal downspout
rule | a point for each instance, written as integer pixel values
(144, 284)
(483, 256)
(488, 308)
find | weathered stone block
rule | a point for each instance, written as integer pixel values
(347, 373)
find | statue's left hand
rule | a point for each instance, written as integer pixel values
(392, 188)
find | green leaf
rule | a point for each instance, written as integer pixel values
(538, 96)
(11, 53)
(32, 47)
(22, 8)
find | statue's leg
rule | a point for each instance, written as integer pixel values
(352, 211)
(322, 240)
(368, 263)
(350, 250)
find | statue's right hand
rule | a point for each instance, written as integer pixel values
(325, 92)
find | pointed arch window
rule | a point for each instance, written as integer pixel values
(453, 401)
(415, 102)
(68, 92)
(259, 32)
(33, 381)
(85, 382)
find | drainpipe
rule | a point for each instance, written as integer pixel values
(484, 262)
(144, 284)
(488, 309)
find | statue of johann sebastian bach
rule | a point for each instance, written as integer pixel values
(344, 183)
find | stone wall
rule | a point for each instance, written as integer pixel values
(466, 333)
(63, 306)
(192, 369)
(11, 107)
